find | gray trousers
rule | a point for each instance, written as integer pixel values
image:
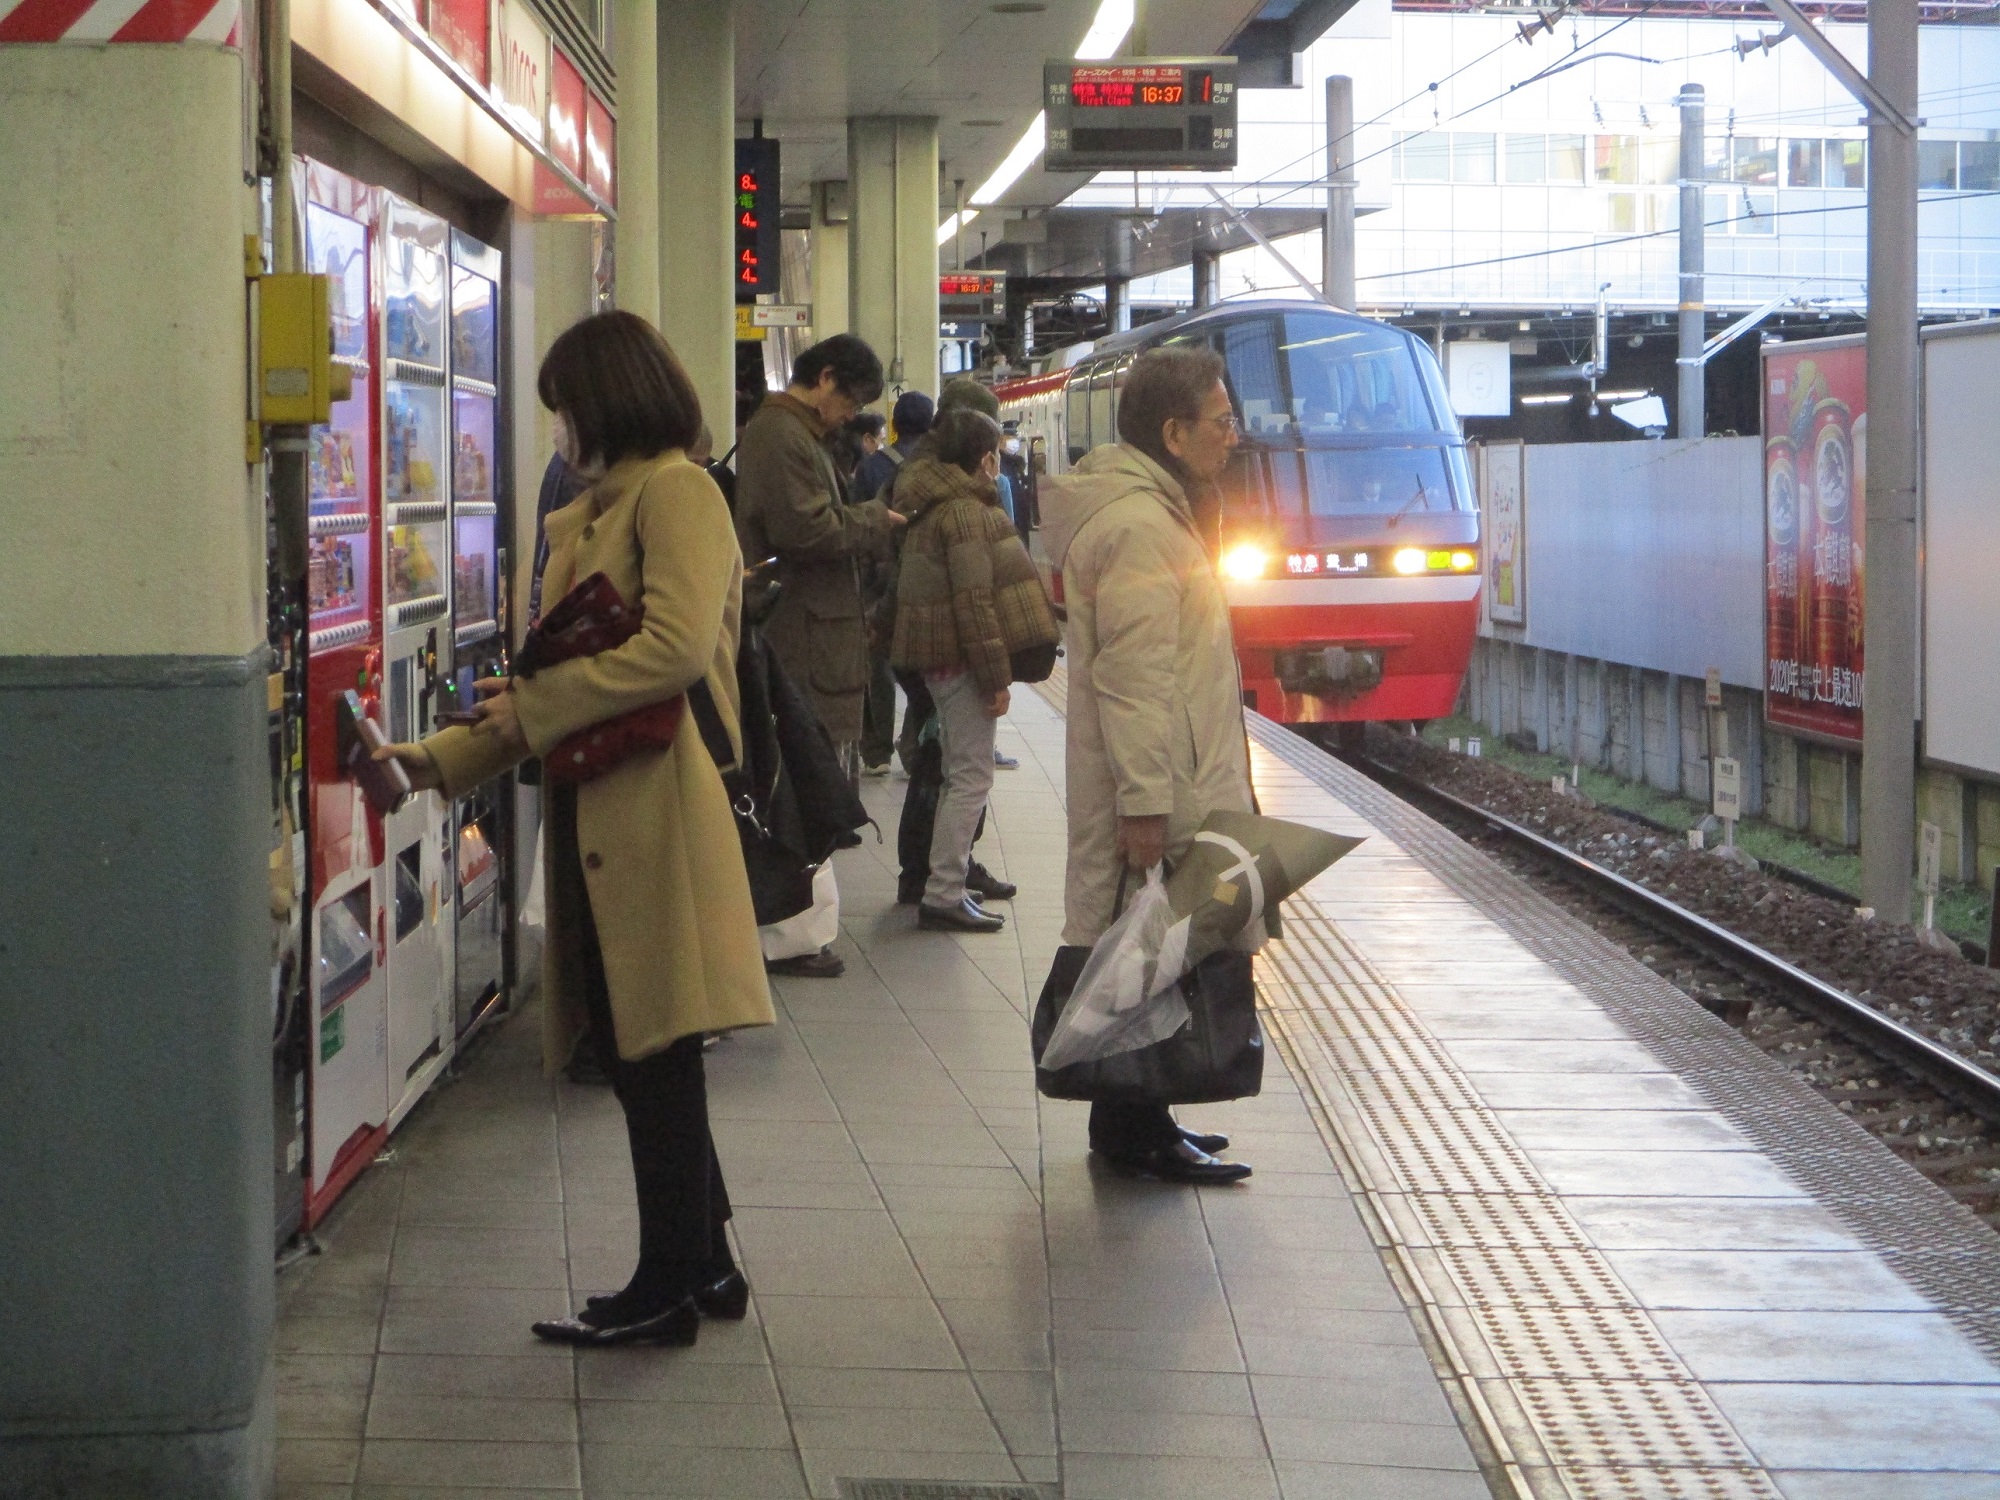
(965, 734)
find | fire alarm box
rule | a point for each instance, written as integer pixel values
(297, 380)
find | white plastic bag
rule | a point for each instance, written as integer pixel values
(1114, 1008)
(810, 930)
(534, 906)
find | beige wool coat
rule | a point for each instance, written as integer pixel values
(662, 865)
(1155, 717)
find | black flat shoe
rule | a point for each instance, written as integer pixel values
(1204, 1141)
(1180, 1162)
(964, 917)
(727, 1297)
(679, 1324)
(825, 964)
(987, 886)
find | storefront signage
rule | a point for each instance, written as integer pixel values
(1815, 452)
(600, 150)
(464, 29)
(523, 73)
(566, 96)
(756, 218)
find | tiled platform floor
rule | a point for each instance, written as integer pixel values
(947, 1289)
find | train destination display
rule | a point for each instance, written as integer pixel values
(1160, 113)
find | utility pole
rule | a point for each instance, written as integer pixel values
(1337, 279)
(1889, 635)
(1693, 402)
(1889, 631)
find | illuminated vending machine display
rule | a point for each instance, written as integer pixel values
(348, 1095)
(416, 584)
(478, 638)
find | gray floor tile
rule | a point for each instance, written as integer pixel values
(1629, 1223)
(899, 1390)
(859, 1332)
(1164, 1434)
(532, 1377)
(1411, 1445)
(323, 1413)
(1665, 1174)
(1339, 1481)
(826, 1467)
(489, 1419)
(454, 1492)
(1104, 1476)
(1627, 1130)
(630, 1469)
(1886, 1486)
(1102, 1388)
(1415, 1398)
(1000, 1335)
(1852, 1281)
(684, 1424)
(1953, 1428)
(641, 1375)
(1919, 1348)
(500, 1465)
(880, 1429)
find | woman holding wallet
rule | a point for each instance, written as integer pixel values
(652, 939)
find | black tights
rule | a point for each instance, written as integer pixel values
(682, 1201)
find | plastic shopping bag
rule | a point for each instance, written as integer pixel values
(810, 930)
(1119, 1003)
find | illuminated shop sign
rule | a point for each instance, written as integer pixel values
(523, 81)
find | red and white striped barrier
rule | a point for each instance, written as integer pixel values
(94, 22)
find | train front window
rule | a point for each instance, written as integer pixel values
(1380, 484)
(1347, 380)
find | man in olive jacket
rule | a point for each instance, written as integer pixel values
(789, 505)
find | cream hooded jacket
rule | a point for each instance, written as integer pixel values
(1155, 704)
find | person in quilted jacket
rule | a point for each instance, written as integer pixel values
(968, 601)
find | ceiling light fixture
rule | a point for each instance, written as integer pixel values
(1558, 400)
(1107, 33)
(956, 222)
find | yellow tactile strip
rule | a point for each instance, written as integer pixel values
(1545, 1329)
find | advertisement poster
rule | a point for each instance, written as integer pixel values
(1503, 530)
(1815, 452)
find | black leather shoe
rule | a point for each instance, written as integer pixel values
(825, 964)
(1180, 1162)
(726, 1297)
(1203, 1141)
(983, 883)
(679, 1324)
(964, 917)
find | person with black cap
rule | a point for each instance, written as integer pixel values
(910, 419)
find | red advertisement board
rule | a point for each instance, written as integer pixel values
(1815, 453)
(566, 116)
(600, 151)
(464, 30)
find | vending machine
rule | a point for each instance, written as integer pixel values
(479, 640)
(346, 1025)
(417, 637)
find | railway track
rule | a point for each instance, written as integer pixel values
(1938, 1110)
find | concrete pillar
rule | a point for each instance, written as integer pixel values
(1118, 277)
(1541, 702)
(1670, 778)
(697, 173)
(892, 261)
(1635, 724)
(1337, 246)
(1207, 278)
(829, 260)
(636, 32)
(135, 984)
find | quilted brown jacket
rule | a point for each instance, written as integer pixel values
(968, 595)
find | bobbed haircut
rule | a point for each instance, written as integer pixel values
(1165, 385)
(963, 437)
(622, 389)
(856, 369)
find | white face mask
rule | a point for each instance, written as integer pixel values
(1011, 446)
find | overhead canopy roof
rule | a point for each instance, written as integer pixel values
(1073, 247)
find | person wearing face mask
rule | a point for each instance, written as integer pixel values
(1155, 734)
(968, 602)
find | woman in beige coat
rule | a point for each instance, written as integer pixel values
(652, 939)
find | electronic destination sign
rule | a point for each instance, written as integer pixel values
(1151, 113)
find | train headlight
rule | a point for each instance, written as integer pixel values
(1463, 561)
(1408, 560)
(1245, 561)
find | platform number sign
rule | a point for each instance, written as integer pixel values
(756, 210)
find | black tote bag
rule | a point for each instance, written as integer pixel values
(1217, 1054)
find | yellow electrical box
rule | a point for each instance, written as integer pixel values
(297, 379)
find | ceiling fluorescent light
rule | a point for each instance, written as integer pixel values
(1107, 30)
(1026, 149)
(956, 222)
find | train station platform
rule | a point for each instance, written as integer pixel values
(1525, 1222)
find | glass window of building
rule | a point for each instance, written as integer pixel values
(1937, 164)
(1847, 164)
(1472, 157)
(1802, 163)
(1755, 213)
(1715, 158)
(1527, 158)
(1756, 160)
(1424, 156)
(1660, 160)
(1978, 166)
(1615, 158)
(1566, 153)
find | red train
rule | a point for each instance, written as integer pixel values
(1348, 531)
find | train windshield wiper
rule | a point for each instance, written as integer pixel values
(1422, 494)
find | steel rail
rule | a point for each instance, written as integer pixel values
(1959, 1078)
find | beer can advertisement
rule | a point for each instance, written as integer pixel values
(1815, 453)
